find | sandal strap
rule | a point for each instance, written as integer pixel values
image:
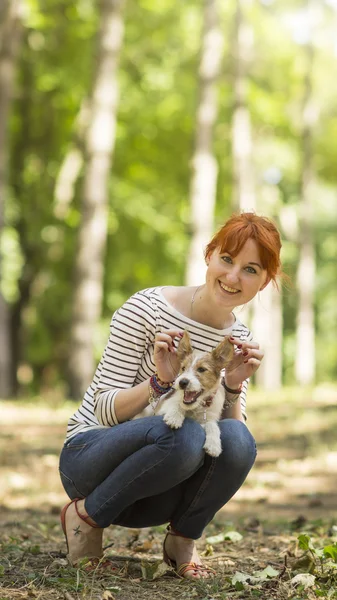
(185, 567)
(83, 517)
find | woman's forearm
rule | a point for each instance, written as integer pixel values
(130, 402)
(233, 412)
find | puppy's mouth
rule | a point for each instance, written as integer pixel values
(191, 397)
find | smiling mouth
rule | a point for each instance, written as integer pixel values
(191, 397)
(228, 289)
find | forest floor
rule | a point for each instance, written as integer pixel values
(276, 539)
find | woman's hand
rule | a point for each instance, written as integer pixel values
(165, 354)
(243, 364)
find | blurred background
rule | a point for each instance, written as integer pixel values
(129, 132)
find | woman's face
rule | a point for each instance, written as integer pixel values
(233, 281)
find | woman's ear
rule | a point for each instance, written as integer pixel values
(265, 283)
(207, 258)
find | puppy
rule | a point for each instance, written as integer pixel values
(196, 390)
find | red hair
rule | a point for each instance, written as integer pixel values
(241, 227)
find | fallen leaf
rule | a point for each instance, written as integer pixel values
(257, 577)
(208, 550)
(240, 577)
(305, 579)
(232, 536)
(107, 595)
(152, 570)
(215, 539)
(61, 562)
(267, 573)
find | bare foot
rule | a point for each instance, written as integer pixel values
(182, 551)
(84, 540)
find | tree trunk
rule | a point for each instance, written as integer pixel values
(204, 164)
(243, 188)
(72, 164)
(243, 173)
(265, 314)
(268, 325)
(305, 332)
(99, 142)
(10, 29)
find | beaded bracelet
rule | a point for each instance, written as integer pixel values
(159, 388)
(164, 384)
(156, 390)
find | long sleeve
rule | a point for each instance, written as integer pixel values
(132, 331)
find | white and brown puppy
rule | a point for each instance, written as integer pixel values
(196, 391)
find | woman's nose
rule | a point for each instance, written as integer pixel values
(233, 275)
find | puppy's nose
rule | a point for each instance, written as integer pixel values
(183, 383)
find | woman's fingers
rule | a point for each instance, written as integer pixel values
(243, 344)
(248, 349)
(164, 346)
(252, 353)
(165, 339)
(165, 357)
(169, 333)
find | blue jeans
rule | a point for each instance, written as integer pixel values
(142, 473)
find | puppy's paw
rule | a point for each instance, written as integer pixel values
(212, 446)
(174, 420)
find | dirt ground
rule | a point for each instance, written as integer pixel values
(291, 491)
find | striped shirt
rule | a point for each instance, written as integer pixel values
(127, 359)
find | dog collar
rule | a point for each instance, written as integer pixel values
(208, 401)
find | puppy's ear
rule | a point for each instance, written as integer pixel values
(223, 353)
(184, 348)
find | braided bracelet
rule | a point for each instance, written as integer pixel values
(229, 390)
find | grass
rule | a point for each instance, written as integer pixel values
(290, 491)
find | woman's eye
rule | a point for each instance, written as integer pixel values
(226, 259)
(250, 270)
(201, 370)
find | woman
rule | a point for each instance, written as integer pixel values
(139, 472)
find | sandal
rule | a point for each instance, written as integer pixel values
(88, 545)
(185, 567)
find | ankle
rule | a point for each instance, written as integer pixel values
(175, 533)
(82, 514)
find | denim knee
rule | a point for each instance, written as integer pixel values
(188, 449)
(238, 445)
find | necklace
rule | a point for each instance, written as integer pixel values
(192, 300)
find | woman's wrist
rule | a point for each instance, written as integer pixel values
(157, 387)
(162, 382)
(231, 388)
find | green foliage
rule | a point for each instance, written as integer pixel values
(322, 561)
(149, 223)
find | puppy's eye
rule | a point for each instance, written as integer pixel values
(182, 369)
(201, 370)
